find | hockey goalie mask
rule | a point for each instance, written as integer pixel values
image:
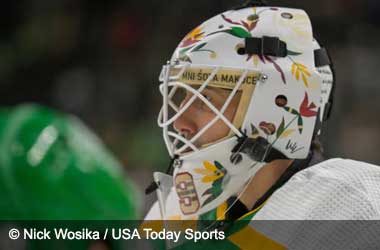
(270, 69)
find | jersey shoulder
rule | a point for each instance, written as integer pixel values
(333, 189)
(342, 169)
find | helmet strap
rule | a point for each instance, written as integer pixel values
(258, 149)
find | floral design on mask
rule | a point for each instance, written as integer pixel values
(193, 37)
(245, 27)
(306, 109)
(261, 58)
(282, 132)
(267, 127)
(300, 69)
(242, 28)
(184, 54)
(214, 173)
(272, 61)
(189, 45)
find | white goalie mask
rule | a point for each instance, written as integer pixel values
(279, 81)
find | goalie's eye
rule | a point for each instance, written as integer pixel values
(197, 103)
(202, 104)
(208, 97)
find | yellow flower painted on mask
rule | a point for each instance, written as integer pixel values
(300, 69)
(210, 172)
(194, 36)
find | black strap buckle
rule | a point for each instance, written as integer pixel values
(270, 46)
(258, 149)
(266, 45)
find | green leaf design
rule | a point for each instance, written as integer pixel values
(183, 51)
(218, 165)
(198, 47)
(239, 32)
(208, 200)
(291, 110)
(294, 53)
(280, 129)
(300, 124)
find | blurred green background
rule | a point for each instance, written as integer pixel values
(100, 61)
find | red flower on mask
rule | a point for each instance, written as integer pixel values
(306, 108)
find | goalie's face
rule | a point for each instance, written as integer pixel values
(198, 115)
(200, 111)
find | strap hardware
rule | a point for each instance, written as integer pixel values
(266, 45)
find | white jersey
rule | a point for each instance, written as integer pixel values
(336, 189)
(344, 194)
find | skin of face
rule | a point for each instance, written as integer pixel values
(199, 115)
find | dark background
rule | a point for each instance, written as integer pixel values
(100, 60)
